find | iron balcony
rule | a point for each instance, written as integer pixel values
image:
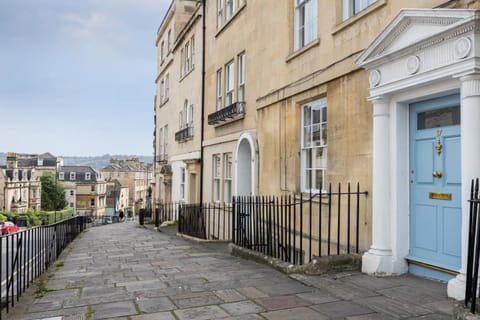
(227, 113)
(162, 158)
(184, 134)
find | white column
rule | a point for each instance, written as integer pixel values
(470, 133)
(379, 260)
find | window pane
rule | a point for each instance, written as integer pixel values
(323, 141)
(308, 180)
(319, 179)
(324, 114)
(307, 137)
(308, 158)
(316, 114)
(320, 157)
(316, 135)
(216, 190)
(307, 119)
(228, 191)
(438, 118)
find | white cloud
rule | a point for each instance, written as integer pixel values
(92, 30)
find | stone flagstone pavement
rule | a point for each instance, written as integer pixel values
(124, 271)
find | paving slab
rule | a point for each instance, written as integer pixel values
(122, 271)
(242, 308)
(116, 309)
(151, 305)
(341, 309)
(201, 313)
(282, 302)
(295, 313)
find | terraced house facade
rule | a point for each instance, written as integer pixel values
(301, 94)
(178, 104)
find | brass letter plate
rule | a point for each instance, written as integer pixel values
(440, 196)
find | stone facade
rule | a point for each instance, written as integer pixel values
(134, 174)
(88, 186)
(20, 186)
(266, 126)
(117, 196)
(178, 103)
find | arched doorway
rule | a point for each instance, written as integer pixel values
(245, 166)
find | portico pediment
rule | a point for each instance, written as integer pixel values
(412, 30)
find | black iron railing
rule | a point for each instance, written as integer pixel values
(166, 212)
(237, 108)
(27, 254)
(184, 134)
(161, 158)
(297, 228)
(209, 221)
(473, 250)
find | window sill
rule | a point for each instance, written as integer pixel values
(227, 122)
(163, 67)
(186, 74)
(227, 23)
(353, 19)
(163, 103)
(302, 50)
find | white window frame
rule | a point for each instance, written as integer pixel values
(162, 91)
(182, 184)
(73, 176)
(310, 166)
(169, 40)
(192, 48)
(160, 142)
(190, 116)
(219, 13)
(182, 62)
(354, 7)
(61, 176)
(229, 83)
(216, 177)
(230, 8)
(219, 90)
(306, 22)
(241, 77)
(88, 175)
(187, 57)
(165, 142)
(167, 86)
(162, 50)
(227, 174)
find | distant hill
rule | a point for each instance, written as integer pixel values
(96, 162)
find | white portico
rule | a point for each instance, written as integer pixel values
(425, 58)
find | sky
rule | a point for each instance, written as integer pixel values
(77, 77)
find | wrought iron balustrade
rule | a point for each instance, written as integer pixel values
(163, 158)
(227, 113)
(184, 134)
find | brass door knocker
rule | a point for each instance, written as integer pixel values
(439, 146)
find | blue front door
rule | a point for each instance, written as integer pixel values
(435, 187)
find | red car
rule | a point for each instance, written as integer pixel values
(8, 227)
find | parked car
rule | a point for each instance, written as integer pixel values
(8, 227)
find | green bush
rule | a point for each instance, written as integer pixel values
(36, 218)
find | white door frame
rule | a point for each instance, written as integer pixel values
(247, 137)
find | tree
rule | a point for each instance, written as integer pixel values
(53, 193)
